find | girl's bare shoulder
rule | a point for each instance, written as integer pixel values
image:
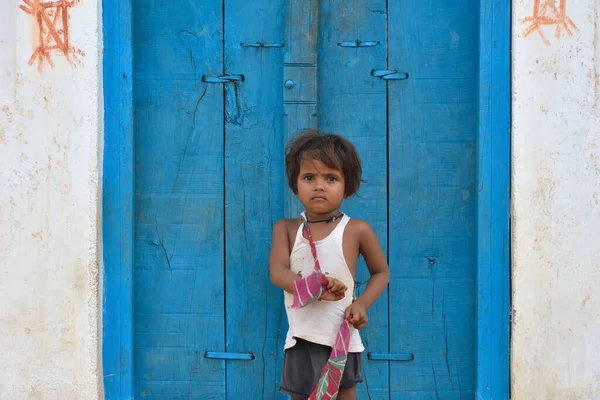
(358, 226)
(287, 224)
(360, 231)
(285, 229)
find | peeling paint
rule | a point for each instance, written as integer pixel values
(8, 113)
(585, 300)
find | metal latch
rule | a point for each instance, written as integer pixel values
(223, 78)
(388, 74)
(391, 357)
(219, 355)
(359, 43)
(262, 45)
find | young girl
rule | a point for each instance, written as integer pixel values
(322, 171)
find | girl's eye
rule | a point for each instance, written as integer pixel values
(331, 178)
(308, 178)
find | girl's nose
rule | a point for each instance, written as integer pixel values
(318, 184)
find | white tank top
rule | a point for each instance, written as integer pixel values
(320, 321)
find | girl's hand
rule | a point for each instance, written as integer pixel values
(356, 314)
(335, 290)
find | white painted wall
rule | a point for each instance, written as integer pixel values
(556, 210)
(49, 174)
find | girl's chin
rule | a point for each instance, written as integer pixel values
(321, 210)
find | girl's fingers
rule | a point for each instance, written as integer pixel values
(348, 313)
(359, 320)
(364, 322)
(336, 286)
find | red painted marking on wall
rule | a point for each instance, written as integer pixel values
(547, 13)
(52, 18)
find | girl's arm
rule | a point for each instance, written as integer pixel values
(380, 275)
(279, 259)
(376, 263)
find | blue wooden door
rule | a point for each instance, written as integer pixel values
(352, 42)
(179, 280)
(399, 77)
(433, 197)
(218, 89)
(208, 111)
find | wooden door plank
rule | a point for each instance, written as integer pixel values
(253, 193)
(179, 228)
(300, 100)
(302, 17)
(493, 214)
(433, 194)
(117, 201)
(353, 104)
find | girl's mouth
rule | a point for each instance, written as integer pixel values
(318, 198)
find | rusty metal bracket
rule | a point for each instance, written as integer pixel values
(389, 74)
(223, 78)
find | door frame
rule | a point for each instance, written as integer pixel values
(493, 204)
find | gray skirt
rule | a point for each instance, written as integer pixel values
(303, 364)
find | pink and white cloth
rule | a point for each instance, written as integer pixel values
(307, 290)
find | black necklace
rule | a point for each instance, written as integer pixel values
(328, 220)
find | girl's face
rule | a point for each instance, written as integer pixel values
(320, 189)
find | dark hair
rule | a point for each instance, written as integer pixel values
(332, 150)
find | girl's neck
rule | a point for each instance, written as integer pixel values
(322, 218)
